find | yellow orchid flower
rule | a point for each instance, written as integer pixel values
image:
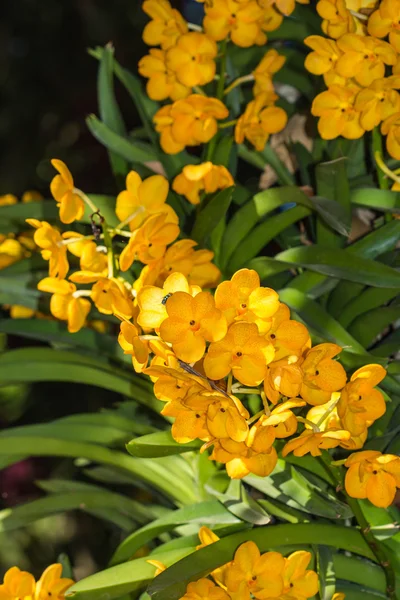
(152, 300)
(166, 26)
(188, 122)
(64, 304)
(162, 81)
(51, 585)
(243, 351)
(52, 248)
(190, 323)
(206, 177)
(62, 187)
(360, 404)
(192, 59)
(373, 475)
(260, 119)
(143, 199)
(321, 374)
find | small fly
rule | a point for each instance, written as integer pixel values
(164, 300)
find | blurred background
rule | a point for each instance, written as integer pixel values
(48, 85)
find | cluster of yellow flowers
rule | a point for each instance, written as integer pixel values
(19, 584)
(14, 248)
(209, 352)
(153, 225)
(254, 575)
(206, 353)
(186, 60)
(360, 69)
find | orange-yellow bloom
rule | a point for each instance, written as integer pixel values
(299, 583)
(181, 257)
(11, 251)
(324, 57)
(162, 81)
(65, 304)
(282, 419)
(188, 122)
(391, 128)
(283, 378)
(166, 26)
(130, 342)
(266, 68)
(314, 442)
(190, 323)
(149, 242)
(62, 187)
(242, 299)
(226, 418)
(160, 567)
(378, 102)
(337, 113)
(110, 296)
(360, 404)
(242, 351)
(364, 58)
(8, 200)
(152, 300)
(321, 374)
(337, 19)
(193, 59)
(260, 574)
(288, 337)
(50, 242)
(240, 20)
(206, 177)
(385, 21)
(260, 119)
(240, 459)
(92, 257)
(142, 199)
(204, 589)
(17, 584)
(286, 7)
(51, 584)
(373, 475)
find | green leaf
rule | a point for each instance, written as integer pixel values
(43, 210)
(354, 592)
(122, 579)
(239, 502)
(333, 184)
(357, 570)
(383, 200)
(326, 573)
(155, 472)
(159, 444)
(43, 364)
(210, 513)
(290, 486)
(55, 331)
(209, 217)
(319, 319)
(172, 583)
(340, 264)
(131, 151)
(369, 325)
(261, 235)
(367, 300)
(108, 107)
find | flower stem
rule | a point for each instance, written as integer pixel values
(238, 81)
(221, 80)
(336, 475)
(227, 124)
(378, 149)
(110, 252)
(86, 199)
